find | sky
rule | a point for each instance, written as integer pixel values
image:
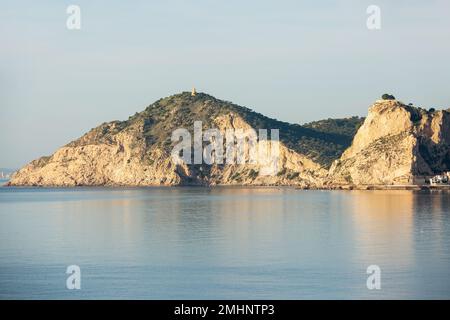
(296, 61)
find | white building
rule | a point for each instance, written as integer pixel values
(441, 179)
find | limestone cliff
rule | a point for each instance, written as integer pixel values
(137, 152)
(396, 144)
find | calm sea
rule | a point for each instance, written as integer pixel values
(223, 243)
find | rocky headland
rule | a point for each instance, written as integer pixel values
(394, 145)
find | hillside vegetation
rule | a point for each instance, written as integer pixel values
(321, 141)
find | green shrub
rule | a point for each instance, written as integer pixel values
(293, 175)
(253, 174)
(387, 96)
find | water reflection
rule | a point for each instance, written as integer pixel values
(226, 242)
(383, 227)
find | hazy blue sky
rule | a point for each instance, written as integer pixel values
(293, 60)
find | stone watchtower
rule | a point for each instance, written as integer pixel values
(194, 92)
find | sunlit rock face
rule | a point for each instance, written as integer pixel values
(137, 152)
(395, 144)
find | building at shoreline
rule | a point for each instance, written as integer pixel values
(443, 178)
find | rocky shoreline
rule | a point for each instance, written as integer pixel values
(388, 187)
(324, 188)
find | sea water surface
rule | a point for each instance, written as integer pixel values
(223, 243)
